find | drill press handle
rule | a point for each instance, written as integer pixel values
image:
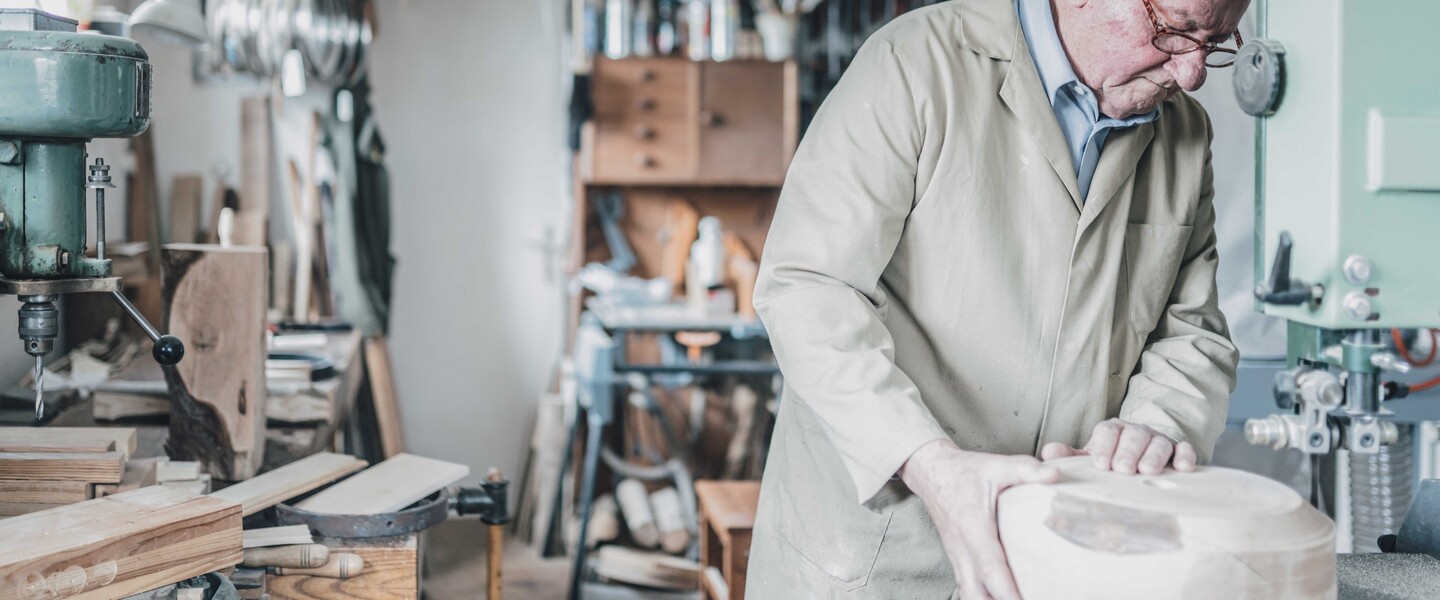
(168, 349)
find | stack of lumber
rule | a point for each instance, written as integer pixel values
(117, 546)
(43, 468)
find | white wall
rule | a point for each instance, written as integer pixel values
(471, 103)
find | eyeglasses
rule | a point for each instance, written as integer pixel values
(1172, 41)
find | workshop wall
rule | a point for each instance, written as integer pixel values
(470, 98)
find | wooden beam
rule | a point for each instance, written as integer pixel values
(255, 153)
(289, 481)
(117, 546)
(215, 301)
(138, 473)
(186, 193)
(387, 487)
(68, 439)
(96, 467)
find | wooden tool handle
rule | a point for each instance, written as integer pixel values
(302, 556)
(341, 566)
(496, 553)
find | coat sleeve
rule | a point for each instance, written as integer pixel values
(1186, 372)
(841, 212)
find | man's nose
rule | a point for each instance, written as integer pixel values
(1189, 70)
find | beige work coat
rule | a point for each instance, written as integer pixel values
(933, 273)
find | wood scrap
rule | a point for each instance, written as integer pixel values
(198, 487)
(289, 481)
(387, 487)
(255, 153)
(669, 520)
(216, 299)
(93, 467)
(289, 535)
(117, 546)
(652, 569)
(114, 406)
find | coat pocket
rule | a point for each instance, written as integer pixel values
(1153, 254)
(819, 519)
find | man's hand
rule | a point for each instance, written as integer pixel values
(959, 490)
(1126, 448)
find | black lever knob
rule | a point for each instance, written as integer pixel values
(1281, 290)
(168, 350)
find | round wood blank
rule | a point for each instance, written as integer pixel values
(1214, 533)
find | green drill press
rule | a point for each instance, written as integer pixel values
(58, 90)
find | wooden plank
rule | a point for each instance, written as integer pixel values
(117, 546)
(289, 535)
(289, 481)
(68, 439)
(52, 492)
(15, 509)
(387, 487)
(177, 470)
(216, 299)
(96, 467)
(255, 153)
(112, 406)
(186, 192)
(382, 394)
(392, 572)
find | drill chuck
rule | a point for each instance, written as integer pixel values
(39, 324)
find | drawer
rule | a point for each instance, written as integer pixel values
(639, 87)
(643, 150)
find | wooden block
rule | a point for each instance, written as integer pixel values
(177, 470)
(289, 535)
(138, 473)
(68, 439)
(117, 546)
(391, 572)
(387, 487)
(52, 492)
(96, 467)
(216, 299)
(289, 481)
(255, 157)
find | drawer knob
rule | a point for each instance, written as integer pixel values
(645, 160)
(644, 132)
(647, 75)
(711, 119)
(645, 104)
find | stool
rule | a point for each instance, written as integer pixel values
(727, 516)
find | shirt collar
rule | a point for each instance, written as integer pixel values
(1056, 73)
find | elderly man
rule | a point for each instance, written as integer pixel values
(996, 242)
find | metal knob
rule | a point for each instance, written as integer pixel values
(644, 132)
(645, 160)
(645, 104)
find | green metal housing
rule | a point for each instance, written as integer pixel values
(58, 90)
(1350, 161)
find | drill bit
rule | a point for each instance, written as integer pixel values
(39, 390)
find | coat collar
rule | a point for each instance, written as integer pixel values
(992, 28)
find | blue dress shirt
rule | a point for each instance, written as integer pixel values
(1074, 103)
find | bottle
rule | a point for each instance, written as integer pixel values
(667, 27)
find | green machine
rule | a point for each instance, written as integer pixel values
(58, 90)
